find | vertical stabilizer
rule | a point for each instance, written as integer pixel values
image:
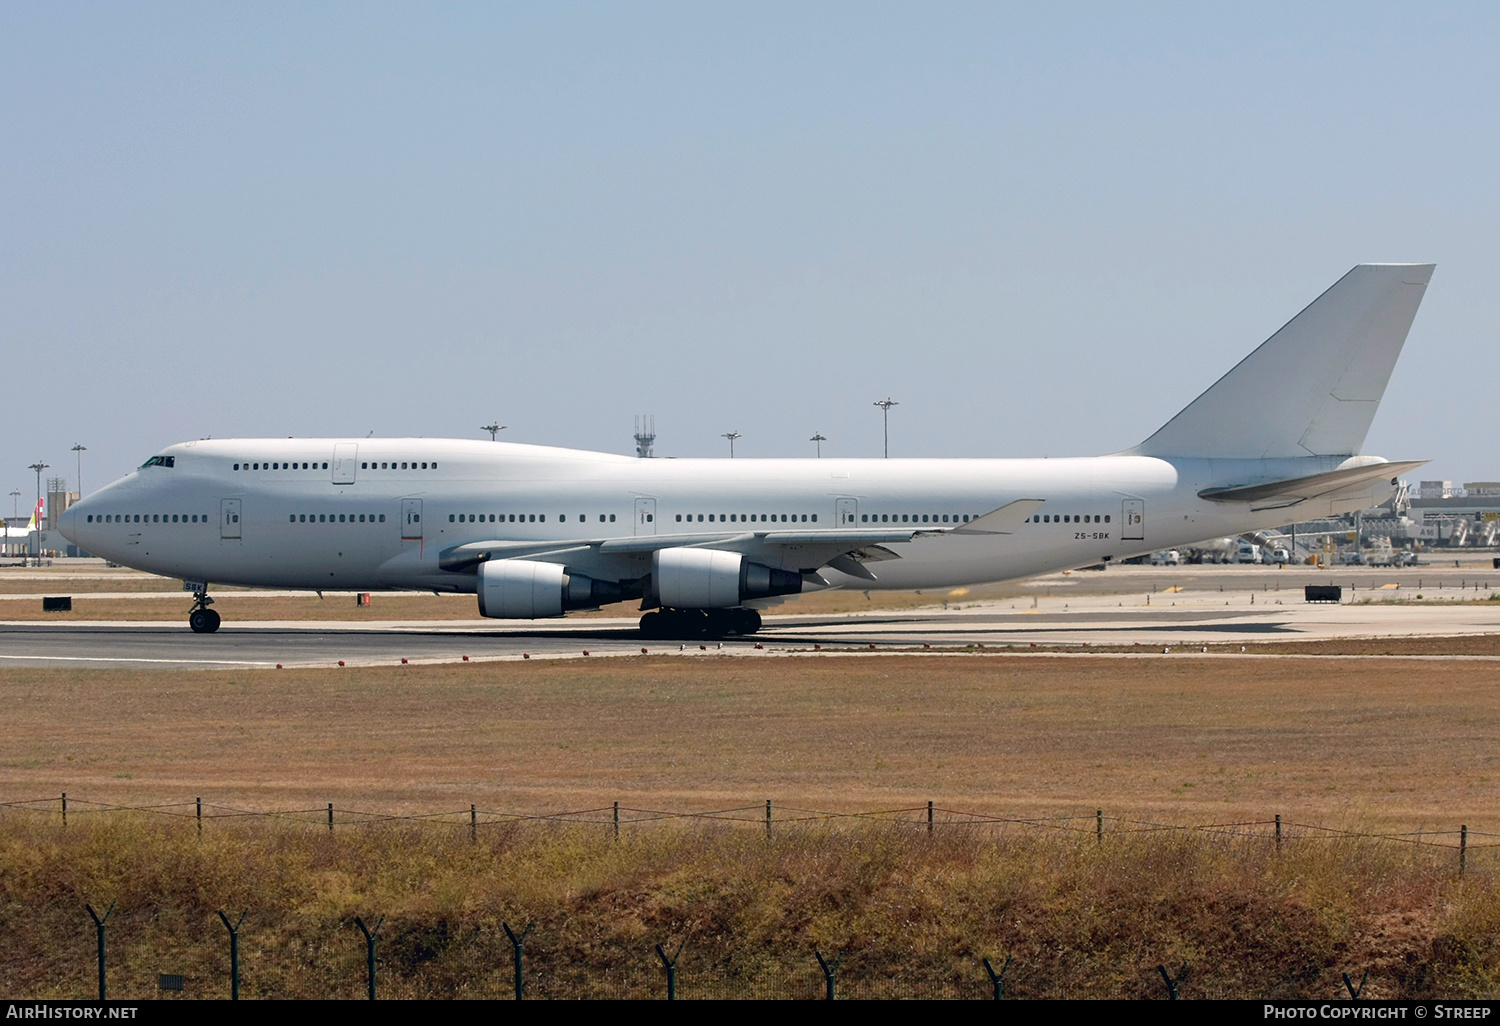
(1312, 388)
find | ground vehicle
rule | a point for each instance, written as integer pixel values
(1167, 557)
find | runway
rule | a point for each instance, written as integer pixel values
(1100, 621)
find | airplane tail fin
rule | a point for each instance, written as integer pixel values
(1312, 388)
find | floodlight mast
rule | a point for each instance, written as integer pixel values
(731, 435)
(80, 449)
(885, 414)
(494, 429)
(38, 466)
(819, 439)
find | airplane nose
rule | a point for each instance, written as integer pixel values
(67, 524)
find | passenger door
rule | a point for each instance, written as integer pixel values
(645, 517)
(1133, 520)
(411, 519)
(848, 512)
(345, 459)
(229, 518)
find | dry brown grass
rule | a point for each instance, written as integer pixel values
(1180, 739)
(912, 914)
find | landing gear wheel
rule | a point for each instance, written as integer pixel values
(747, 621)
(203, 620)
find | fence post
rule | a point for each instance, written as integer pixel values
(473, 824)
(200, 816)
(1463, 849)
(829, 969)
(516, 943)
(998, 979)
(1099, 826)
(929, 817)
(370, 936)
(330, 817)
(671, 966)
(99, 927)
(768, 818)
(1172, 982)
(617, 821)
(1278, 832)
(65, 808)
(234, 953)
(1355, 992)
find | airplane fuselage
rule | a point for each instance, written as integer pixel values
(377, 515)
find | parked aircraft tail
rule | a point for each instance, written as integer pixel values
(1312, 388)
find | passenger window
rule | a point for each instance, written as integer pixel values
(450, 518)
(434, 466)
(292, 518)
(1106, 518)
(543, 518)
(679, 518)
(424, 466)
(611, 518)
(382, 518)
(562, 518)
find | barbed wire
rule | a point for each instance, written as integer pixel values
(924, 816)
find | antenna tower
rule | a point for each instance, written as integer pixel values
(645, 435)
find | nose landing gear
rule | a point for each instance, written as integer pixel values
(203, 620)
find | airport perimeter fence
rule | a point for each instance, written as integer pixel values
(491, 961)
(767, 816)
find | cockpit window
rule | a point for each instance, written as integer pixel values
(160, 461)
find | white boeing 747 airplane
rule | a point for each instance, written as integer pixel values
(536, 531)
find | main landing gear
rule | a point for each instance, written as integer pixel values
(203, 620)
(698, 623)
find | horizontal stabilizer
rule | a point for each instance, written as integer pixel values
(1312, 388)
(1291, 491)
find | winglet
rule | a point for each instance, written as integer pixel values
(1005, 520)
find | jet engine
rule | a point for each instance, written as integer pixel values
(713, 579)
(524, 589)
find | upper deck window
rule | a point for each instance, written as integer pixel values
(160, 461)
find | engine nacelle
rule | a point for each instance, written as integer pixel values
(713, 579)
(524, 589)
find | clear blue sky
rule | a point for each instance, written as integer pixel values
(1042, 228)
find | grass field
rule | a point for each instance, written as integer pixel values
(1374, 742)
(906, 914)
(1361, 743)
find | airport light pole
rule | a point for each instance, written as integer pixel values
(885, 413)
(80, 449)
(494, 429)
(38, 466)
(15, 504)
(819, 439)
(731, 435)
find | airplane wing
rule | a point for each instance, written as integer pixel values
(1296, 490)
(841, 548)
